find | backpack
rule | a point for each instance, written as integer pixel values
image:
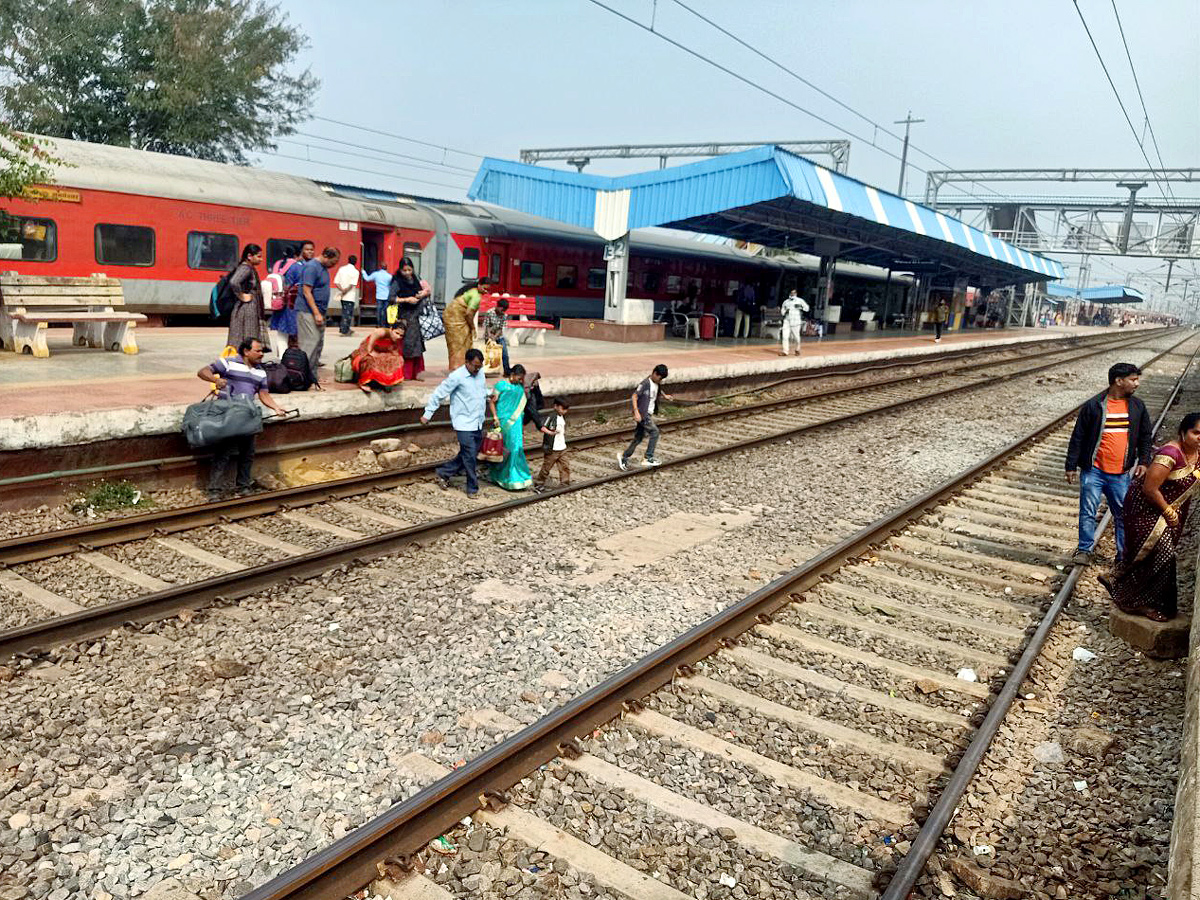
(221, 301)
(298, 374)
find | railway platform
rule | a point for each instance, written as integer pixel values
(79, 395)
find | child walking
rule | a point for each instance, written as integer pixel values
(554, 446)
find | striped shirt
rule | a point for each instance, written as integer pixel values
(244, 381)
(1114, 439)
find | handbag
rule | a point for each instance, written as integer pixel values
(492, 355)
(343, 371)
(430, 320)
(216, 419)
(492, 448)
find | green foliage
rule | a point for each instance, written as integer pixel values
(669, 410)
(104, 496)
(601, 417)
(206, 78)
(23, 162)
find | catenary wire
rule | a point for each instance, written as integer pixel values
(430, 163)
(824, 93)
(459, 174)
(401, 137)
(340, 166)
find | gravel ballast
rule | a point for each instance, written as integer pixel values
(223, 749)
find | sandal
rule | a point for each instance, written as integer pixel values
(1155, 616)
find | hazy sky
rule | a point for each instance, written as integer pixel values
(1000, 85)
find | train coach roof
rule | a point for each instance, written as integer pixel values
(124, 170)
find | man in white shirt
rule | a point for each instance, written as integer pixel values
(345, 290)
(793, 311)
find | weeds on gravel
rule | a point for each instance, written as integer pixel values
(601, 417)
(106, 496)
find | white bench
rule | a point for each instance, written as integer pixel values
(31, 303)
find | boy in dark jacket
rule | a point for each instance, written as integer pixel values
(1112, 435)
(645, 405)
(554, 446)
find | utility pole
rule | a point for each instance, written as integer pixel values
(908, 122)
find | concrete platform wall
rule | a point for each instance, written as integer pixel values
(1184, 878)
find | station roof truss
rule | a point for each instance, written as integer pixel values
(769, 196)
(1104, 294)
(1136, 223)
(836, 149)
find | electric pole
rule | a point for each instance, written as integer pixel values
(908, 122)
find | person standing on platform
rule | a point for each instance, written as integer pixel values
(246, 319)
(1112, 435)
(554, 446)
(382, 279)
(345, 283)
(405, 298)
(237, 376)
(467, 391)
(747, 306)
(793, 311)
(941, 315)
(493, 324)
(314, 302)
(645, 407)
(283, 321)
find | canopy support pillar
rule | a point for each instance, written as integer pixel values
(616, 255)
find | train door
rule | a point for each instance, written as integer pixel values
(372, 258)
(497, 272)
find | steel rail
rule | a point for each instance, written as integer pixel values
(914, 862)
(351, 862)
(47, 544)
(41, 635)
(442, 423)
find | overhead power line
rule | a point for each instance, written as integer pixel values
(400, 137)
(824, 93)
(418, 161)
(1117, 94)
(454, 187)
(466, 176)
(1141, 99)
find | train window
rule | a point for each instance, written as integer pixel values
(413, 251)
(596, 279)
(731, 287)
(470, 264)
(38, 237)
(532, 274)
(125, 245)
(650, 282)
(208, 250)
(566, 277)
(674, 284)
(281, 248)
(494, 273)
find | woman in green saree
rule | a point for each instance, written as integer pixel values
(509, 397)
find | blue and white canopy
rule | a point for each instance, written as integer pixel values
(1106, 293)
(771, 197)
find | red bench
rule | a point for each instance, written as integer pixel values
(520, 311)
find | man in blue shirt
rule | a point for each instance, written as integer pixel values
(311, 306)
(468, 393)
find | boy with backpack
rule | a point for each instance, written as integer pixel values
(554, 446)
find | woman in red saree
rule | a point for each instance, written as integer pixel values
(378, 361)
(1156, 510)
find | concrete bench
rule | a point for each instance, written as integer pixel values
(29, 304)
(520, 308)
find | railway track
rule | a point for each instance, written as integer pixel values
(789, 745)
(159, 563)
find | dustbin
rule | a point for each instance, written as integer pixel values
(708, 328)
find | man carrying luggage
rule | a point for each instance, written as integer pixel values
(237, 376)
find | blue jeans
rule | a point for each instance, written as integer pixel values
(1092, 484)
(469, 443)
(503, 342)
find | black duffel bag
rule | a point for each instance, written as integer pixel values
(220, 418)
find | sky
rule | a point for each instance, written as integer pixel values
(999, 85)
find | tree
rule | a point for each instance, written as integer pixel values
(22, 162)
(206, 78)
